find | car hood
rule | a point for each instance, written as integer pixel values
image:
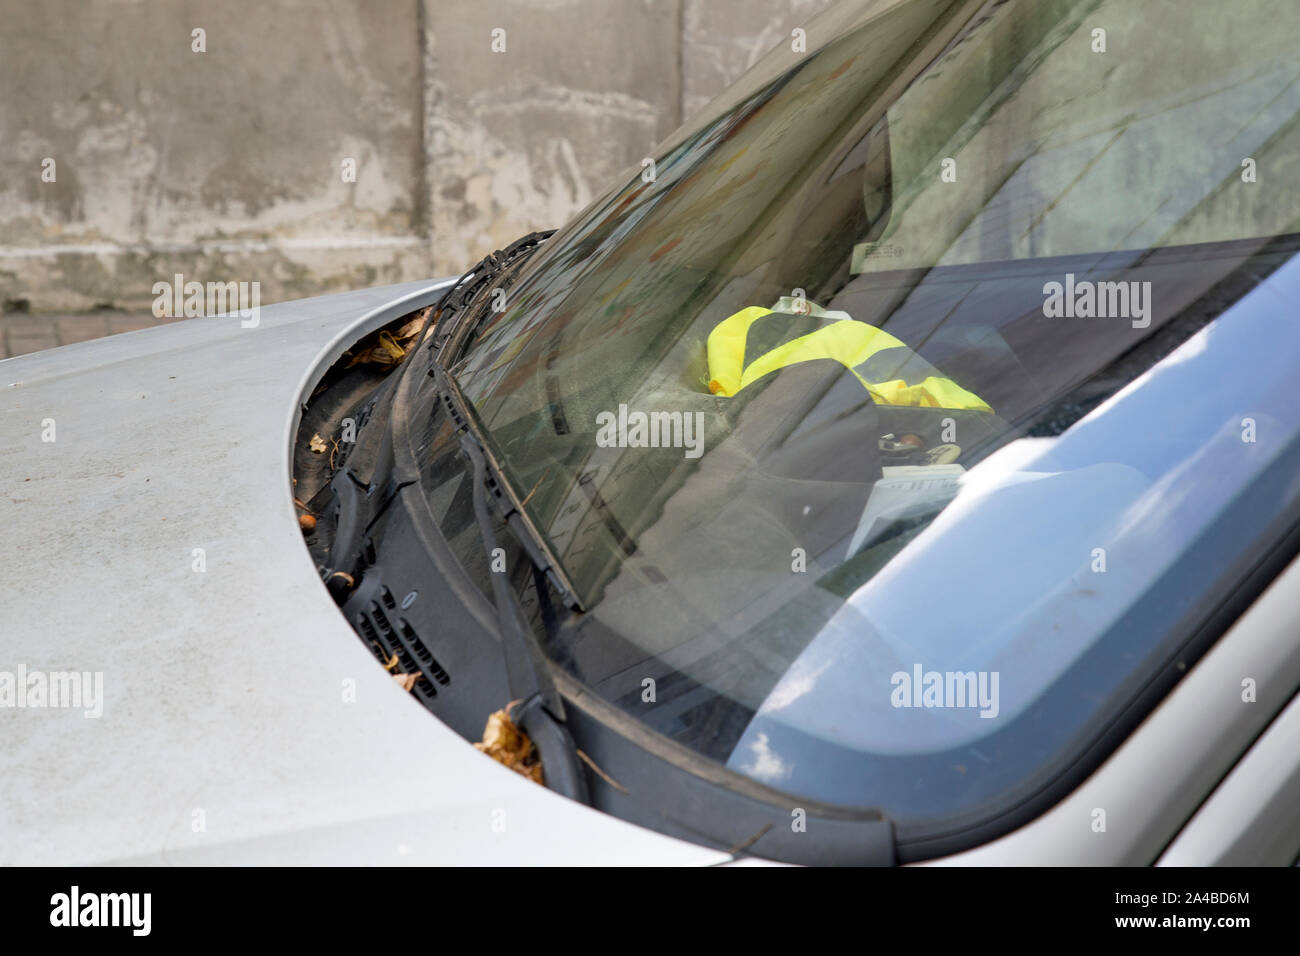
(150, 541)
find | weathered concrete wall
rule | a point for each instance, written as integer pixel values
(723, 38)
(529, 124)
(128, 154)
(218, 164)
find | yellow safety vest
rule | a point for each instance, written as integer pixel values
(847, 341)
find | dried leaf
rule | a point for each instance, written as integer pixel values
(389, 344)
(412, 328)
(406, 680)
(387, 352)
(508, 745)
(318, 444)
(385, 348)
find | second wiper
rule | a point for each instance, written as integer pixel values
(537, 706)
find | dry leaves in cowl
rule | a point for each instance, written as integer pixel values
(385, 348)
(508, 745)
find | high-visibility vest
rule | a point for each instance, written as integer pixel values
(744, 347)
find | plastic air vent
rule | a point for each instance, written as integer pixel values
(389, 635)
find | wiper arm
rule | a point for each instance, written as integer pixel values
(537, 706)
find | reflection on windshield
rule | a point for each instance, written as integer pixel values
(899, 361)
(1137, 501)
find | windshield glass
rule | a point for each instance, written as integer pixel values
(897, 421)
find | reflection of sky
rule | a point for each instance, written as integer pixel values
(1002, 580)
(1171, 160)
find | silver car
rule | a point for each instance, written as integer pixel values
(902, 465)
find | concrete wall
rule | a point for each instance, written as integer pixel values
(128, 155)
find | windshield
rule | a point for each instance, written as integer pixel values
(899, 420)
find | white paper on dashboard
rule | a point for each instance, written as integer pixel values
(904, 491)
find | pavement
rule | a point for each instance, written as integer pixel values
(22, 332)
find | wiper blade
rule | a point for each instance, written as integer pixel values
(537, 706)
(512, 509)
(464, 289)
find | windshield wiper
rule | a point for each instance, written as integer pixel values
(357, 510)
(461, 292)
(511, 507)
(536, 704)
